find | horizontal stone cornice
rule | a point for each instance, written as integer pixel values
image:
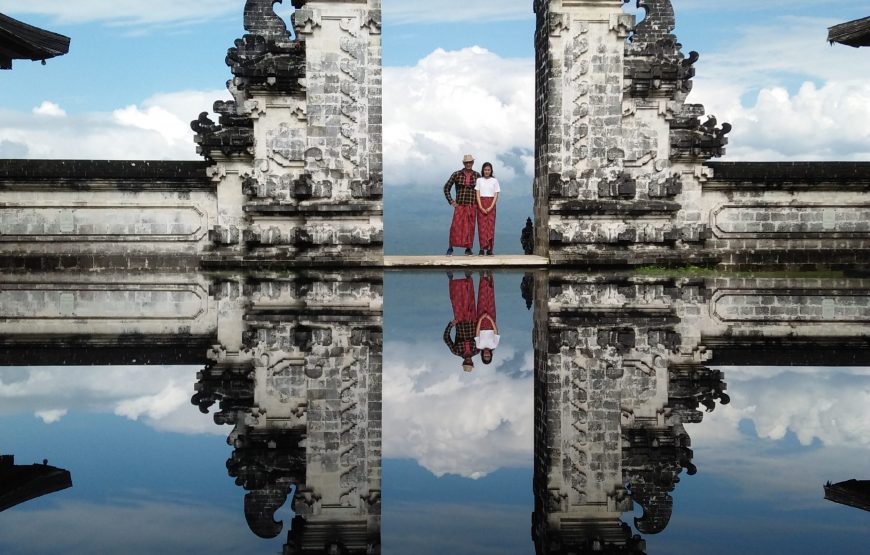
(789, 175)
(105, 174)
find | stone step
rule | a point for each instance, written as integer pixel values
(463, 261)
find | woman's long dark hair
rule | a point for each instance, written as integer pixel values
(485, 164)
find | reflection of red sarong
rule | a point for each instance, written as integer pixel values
(486, 224)
(462, 299)
(486, 301)
(465, 314)
(462, 228)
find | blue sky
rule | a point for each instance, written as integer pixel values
(136, 69)
(458, 78)
(148, 468)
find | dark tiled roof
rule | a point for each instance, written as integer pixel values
(20, 41)
(853, 33)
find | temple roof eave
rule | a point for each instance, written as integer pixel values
(20, 41)
(852, 33)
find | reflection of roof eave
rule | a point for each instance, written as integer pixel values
(20, 41)
(19, 484)
(853, 493)
(853, 33)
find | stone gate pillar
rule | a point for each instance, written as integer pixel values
(618, 151)
(579, 65)
(297, 152)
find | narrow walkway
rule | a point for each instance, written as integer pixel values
(462, 261)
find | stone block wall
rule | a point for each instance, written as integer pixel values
(622, 159)
(622, 364)
(798, 214)
(84, 215)
(609, 409)
(298, 151)
(303, 375)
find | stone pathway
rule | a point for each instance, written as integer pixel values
(460, 260)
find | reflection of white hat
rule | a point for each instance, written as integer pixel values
(467, 158)
(468, 367)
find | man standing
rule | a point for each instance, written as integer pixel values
(464, 207)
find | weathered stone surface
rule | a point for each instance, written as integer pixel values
(293, 172)
(622, 364)
(615, 137)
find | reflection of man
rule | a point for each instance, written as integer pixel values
(486, 333)
(464, 320)
(464, 207)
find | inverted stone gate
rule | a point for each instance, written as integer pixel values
(624, 365)
(293, 170)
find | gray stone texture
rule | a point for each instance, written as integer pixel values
(616, 141)
(622, 364)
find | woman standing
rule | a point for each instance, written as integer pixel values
(486, 192)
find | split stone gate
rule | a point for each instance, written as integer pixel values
(293, 170)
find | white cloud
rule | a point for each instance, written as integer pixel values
(158, 396)
(49, 109)
(831, 122)
(452, 422)
(51, 416)
(826, 409)
(788, 93)
(830, 405)
(157, 129)
(452, 103)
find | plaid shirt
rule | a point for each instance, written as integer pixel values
(464, 193)
(464, 333)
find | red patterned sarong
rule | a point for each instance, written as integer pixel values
(462, 299)
(486, 224)
(462, 228)
(486, 301)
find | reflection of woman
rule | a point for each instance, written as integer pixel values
(486, 333)
(486, 192)
(464, 315)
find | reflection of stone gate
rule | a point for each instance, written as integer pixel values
(293, 364)
(622, 172)
(293, 171)
(622, 363)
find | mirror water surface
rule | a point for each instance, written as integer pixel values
(484, 412)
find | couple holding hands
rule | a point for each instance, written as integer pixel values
(476, 196)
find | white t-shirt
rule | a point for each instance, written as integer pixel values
(488, 186)
(486, 340)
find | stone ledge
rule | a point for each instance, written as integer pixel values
(817, 176)
(105, 175)
(362, 209)
(614, 208)
(102, 169)
(463, 261)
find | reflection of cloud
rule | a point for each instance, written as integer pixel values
(828, 404)
(826, 409)
(474, 529)
(159, 396)
(130, 527)
(453, 422)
